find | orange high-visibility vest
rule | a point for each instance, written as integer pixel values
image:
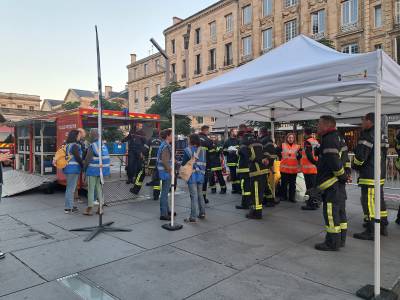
(289, 163)
(306, 166)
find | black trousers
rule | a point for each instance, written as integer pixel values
(368, 204)
(334, 211)
(311, 181)
(156, 184)
(268, 195)
(246, 190)
(234, 178)
(135, 164)
(220, 178)
(137, 186)
(258, 184)
(205, 183)
(288, 182)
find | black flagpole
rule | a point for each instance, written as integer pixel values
(95, 230)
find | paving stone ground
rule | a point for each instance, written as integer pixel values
(225, 256)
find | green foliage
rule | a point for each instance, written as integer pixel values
(162, 106)
(327, 42)
(107, 105)
(71, 105)
(112, 134)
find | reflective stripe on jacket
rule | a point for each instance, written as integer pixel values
(73, 166)
(289, 162)
(308, 167)
(93, 168)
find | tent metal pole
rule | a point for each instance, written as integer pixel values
(377, 176)
(273, 124)
(173, 173)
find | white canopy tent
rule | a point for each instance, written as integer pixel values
(302, 80)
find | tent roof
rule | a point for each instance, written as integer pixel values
(299, 76)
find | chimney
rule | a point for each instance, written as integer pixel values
(176, 20)
(133, 58)
(108, 91)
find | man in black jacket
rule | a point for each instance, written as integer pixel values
(364, 163)
(3, 158)
(397, 164)
(231, 149)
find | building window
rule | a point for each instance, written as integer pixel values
(378, 46)
(213, 31)
(173, 46)
(397, 49)
(228, 55)
(197, 36)
(378, 16)
(349, 12)
(318, 21)
(31, 108)
(3, 105)
(267, 8)
(183, 69)
(288, 3)
(213, 60)
(267, 39)
(158, 89)
(247, 15)
(157, 65)
(247, 45)
(173, 68)
(290, 30)
(213, 119)
(229, 23)
(136, 96)
(350, 49)
(397, 12)
(134, 73)
(19, 106)
(197, 70)
(199, 120)
(146, 94)
(145, 69)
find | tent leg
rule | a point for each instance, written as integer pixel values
(376, 292)
(173, 226)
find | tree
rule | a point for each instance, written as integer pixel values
(327, 42)
(71, 105)
(107, 105)
(162, 106)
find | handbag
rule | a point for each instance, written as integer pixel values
(186, 171)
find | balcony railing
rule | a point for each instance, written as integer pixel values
(228, 62)
(212, 67)
(349, 27)
(318, 36)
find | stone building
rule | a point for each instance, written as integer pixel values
(51, 105)
(146, 77)
(230, 33)
(15, 107)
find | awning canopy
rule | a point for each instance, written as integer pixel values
(299, 76)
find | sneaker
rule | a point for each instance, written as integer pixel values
(2, 255)
(165, 218)
(74, 209)
(325, 247)
(190, 220)
(96, 203)
(67, 211)
(202, 216)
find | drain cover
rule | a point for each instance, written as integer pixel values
(83, 288)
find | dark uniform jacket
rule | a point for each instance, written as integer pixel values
(231, 157)
(214, 157)
(206, 144)
(364, 157)
(330, 166)
(137, 145)
(268, 149)
(257, 167)
(154, 145)
(244, 157)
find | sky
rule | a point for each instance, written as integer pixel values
(48, 46)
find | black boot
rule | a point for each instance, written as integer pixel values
(205, 199)
(213, 191)
(343, 235)
(368, 234)
(133, 191)
(331, 243)
(254, 214)
(310, 206)
(223, 191)
(384, 230)
(398, 217)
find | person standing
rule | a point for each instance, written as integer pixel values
(397, 164)
(3, 158)
(92, 168)
(164, 166)
(290, 155)
(231, 148)
(195, 182)
(154, 145)
(243, 169)
(82, 143)
(206, 144)
(331, 178)
(364, 163)
(140, 150)
(73, 169)
(131, 166)
(270, 153)
(214, 155)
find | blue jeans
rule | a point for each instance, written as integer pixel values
(72, 181)
(195, 190)
(164, 207)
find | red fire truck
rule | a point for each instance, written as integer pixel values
(37, 139)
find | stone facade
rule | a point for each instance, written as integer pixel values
(232, 32)
(16, 106)
(146, 78)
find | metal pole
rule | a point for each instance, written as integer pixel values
(377, 185)
(273, 124)
(42, 149)
(173, 173)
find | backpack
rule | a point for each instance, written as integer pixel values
(61, 159)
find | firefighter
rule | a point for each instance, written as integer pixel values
(206, 144)
(243, 169)
(258, 177)
(214, 154)
(331, 178)
(134, 156)
(231, 148)
(308, 164)
(140, 150)
(397, 164)
(265, 140)
(364, 163)
(154, 145)
(290, 155)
